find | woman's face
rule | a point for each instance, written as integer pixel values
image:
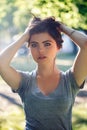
(43, 48)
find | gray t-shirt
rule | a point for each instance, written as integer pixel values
(52, 112)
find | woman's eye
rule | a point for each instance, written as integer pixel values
(47, 44)
(33, 45)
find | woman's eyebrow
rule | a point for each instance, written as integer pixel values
(42, 42)
(46, 41)
(33, 42)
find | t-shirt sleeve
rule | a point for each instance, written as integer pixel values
(73, 84)
(24, 84)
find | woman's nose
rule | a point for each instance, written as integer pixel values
(41, 48)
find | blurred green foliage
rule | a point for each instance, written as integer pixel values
(12, 120)
(15, 14)
(79, 117)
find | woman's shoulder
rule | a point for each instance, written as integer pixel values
(27, 78)
(67, 76)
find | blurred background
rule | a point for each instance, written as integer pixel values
(14, 18)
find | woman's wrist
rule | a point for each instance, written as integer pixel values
(26, 34)
(67, 30)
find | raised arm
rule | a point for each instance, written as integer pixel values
(80, 63)
(9, 74)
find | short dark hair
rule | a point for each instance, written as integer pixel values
(49, 25)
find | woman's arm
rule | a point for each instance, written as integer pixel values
(80, 63)
(9, 74)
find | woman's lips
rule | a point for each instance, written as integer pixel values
(41, 57)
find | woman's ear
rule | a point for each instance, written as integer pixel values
(59, 47)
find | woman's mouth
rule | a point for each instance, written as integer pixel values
(41, 57)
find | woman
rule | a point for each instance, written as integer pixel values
(48, 94)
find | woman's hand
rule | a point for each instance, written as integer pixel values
(62, 27)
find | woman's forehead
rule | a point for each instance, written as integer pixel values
(41, 37)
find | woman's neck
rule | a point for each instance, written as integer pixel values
(45, 71)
